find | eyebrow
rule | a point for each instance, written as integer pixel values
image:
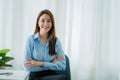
(45, 19)
(48, 19)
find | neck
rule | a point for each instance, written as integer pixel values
(44, 36)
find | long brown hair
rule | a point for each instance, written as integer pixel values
(51, 33)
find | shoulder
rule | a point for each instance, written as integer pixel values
(58, 41)
(31, 37)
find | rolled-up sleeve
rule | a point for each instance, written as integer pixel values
(57, 65)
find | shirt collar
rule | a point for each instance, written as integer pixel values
(36, 35)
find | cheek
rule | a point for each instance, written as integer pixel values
(39, 24)
(50, 26)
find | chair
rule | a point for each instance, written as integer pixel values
(67, 71)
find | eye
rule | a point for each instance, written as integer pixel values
(49, 21)
(42, 20)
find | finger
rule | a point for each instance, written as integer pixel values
(54, 60)
(59, 58)
(27, 63)
(28, 58)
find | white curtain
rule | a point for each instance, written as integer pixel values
(88, 29)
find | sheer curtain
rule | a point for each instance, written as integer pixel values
(89, 31)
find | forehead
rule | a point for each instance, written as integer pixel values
(45, 16)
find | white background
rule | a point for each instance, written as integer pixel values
(89, 31)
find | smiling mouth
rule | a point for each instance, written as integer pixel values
(46, 28)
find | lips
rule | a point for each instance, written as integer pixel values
(44, 27)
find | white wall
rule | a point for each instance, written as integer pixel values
(89, 31)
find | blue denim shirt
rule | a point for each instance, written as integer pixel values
(36, 50)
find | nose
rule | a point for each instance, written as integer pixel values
(46, 23)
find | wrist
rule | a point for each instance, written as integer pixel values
(41, 63)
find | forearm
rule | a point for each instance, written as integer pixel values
(33, 63)
(55, 65)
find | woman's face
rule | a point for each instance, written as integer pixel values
(45, 23)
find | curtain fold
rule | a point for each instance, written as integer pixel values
(89, 31)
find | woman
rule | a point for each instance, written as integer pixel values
(43, 53)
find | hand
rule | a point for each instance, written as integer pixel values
(32, 62)
(57, 59)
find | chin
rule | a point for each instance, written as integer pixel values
(46, 31)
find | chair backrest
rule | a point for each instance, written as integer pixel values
(67, 71)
